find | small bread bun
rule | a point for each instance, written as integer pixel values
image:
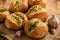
(19, 5)
(35, 28)
(15, 21)
(37, 12)
(3, 14)
(37, 2)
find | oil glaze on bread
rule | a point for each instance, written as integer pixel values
(15, 21)
(37, 12)
(35, 28)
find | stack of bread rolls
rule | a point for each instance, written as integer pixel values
(30, 15)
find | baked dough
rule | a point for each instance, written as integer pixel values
(35, 28)
(19, 5)
(37, 2)
(3, 13)
(15, 21)
(37, 12)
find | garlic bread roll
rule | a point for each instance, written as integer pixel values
(43, 3)
(37, 12)
(35, 28)
(3, 14)
(19, 5)
(15, 21)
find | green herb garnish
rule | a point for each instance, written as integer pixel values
(16, 4)
(3, 10)
(35, 8)
(17, 18)
(32, 26)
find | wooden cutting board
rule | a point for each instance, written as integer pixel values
(53, 6)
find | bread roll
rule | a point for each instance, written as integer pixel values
(35, 28)
(19, 5)
(37, 12)
(3, 14)
(37, 2)
(15, 21)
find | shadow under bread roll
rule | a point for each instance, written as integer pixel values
(37, 12)
(35, 28)
(15, 21)
(3, 13)
(19, 5)
(37, 2)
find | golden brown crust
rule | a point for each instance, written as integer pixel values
(37, 2)
(41, 14)
(3, 15)
(39, 32)
(23, 7)
(12, 25)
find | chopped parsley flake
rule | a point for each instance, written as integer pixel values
(35, 8)
(32, 26)
(16, 4)
(3, 10)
